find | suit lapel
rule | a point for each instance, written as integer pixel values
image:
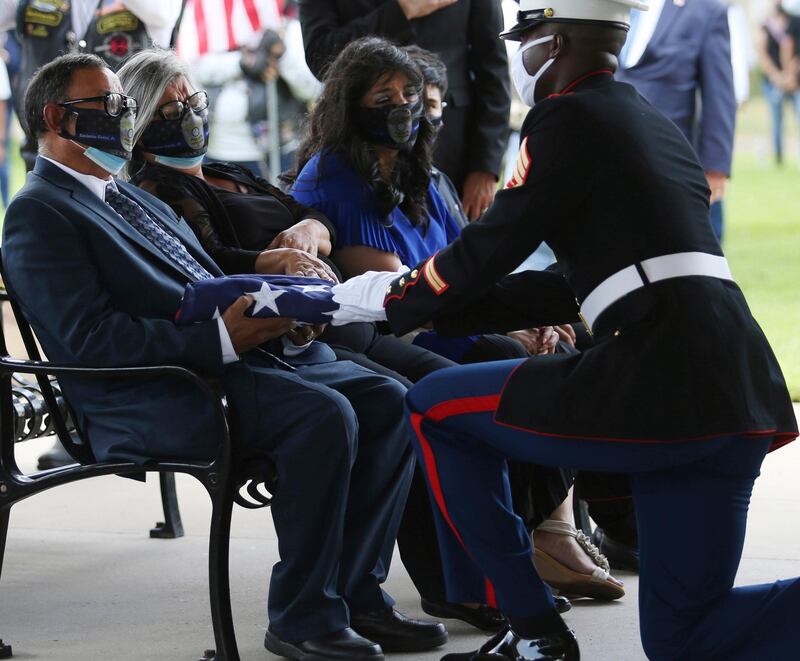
(180, 229)
(104, 212)
(670, 12)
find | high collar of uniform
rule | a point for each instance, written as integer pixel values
(587, 80)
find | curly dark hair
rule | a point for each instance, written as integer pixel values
(332, 127)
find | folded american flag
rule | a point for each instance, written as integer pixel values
(309, 300)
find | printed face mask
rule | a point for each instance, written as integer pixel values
(95, 128)
(523, 81)
(395, 127)
(184, 138)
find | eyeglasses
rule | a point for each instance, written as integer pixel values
(114, 103)
(172, 110)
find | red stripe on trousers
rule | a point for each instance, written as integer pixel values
(431, 470)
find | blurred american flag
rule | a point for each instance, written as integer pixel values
(213, 26)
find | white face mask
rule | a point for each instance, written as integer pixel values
(523, 81)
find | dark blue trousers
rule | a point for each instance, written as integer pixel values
(691, 503)
(335, 432)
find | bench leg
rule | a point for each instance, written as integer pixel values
(172, 526)
(219, 578)
(5, 650)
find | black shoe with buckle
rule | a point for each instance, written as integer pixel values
(395, 632)
(483, 617)
(343, 645)
(508, 646)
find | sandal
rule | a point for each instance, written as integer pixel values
(597, 585)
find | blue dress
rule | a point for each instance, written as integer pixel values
(333, 187)
(330, 185)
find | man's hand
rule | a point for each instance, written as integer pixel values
(537, 341)
(246, 332)
(290, 261)
(304, 235)
(304, 334)
(420, 8)
(479, 190)
(717, 181)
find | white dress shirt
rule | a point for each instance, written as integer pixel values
(97, 187)
(643, 33)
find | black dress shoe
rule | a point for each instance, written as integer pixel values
(342, 645)
(620, 556)
(55, 457)
(483, 617)
(395, 632)
(507, 646)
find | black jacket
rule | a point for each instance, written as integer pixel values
(199, 204)
(464, 35)
(608, 182)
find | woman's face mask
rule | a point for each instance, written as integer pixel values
(178, 142)
(393, 126)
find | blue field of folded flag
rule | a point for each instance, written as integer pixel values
(309, 300)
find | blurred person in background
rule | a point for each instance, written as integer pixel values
(10, 55)
(777, 47)
(238, 85)
(108, 28)
(463, 33)
(678, 56)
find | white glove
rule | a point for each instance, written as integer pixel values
(361, 298)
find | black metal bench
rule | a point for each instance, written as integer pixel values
(223, 478)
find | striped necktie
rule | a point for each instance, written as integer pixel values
(156, 233)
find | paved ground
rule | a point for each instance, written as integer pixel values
(83, 581)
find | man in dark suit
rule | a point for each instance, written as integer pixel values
(99, 267)
(463, 33)
(678, 57)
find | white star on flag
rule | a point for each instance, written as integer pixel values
(308, 288)
(265, 298)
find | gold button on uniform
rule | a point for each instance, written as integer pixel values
(414, 274)
(402, 282)
(549, 13)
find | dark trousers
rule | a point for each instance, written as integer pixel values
(344, 463)
(537, 490)
(691, 502)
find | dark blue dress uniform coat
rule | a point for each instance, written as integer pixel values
(608, 182)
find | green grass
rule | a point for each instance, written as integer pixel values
(763, 247)
(763, 233)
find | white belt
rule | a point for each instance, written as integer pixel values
(623, 282)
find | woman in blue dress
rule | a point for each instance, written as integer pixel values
(366, 164)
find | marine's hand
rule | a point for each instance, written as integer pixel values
(479, 190)
(246, 332)
(290, 261)
(420, 8)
